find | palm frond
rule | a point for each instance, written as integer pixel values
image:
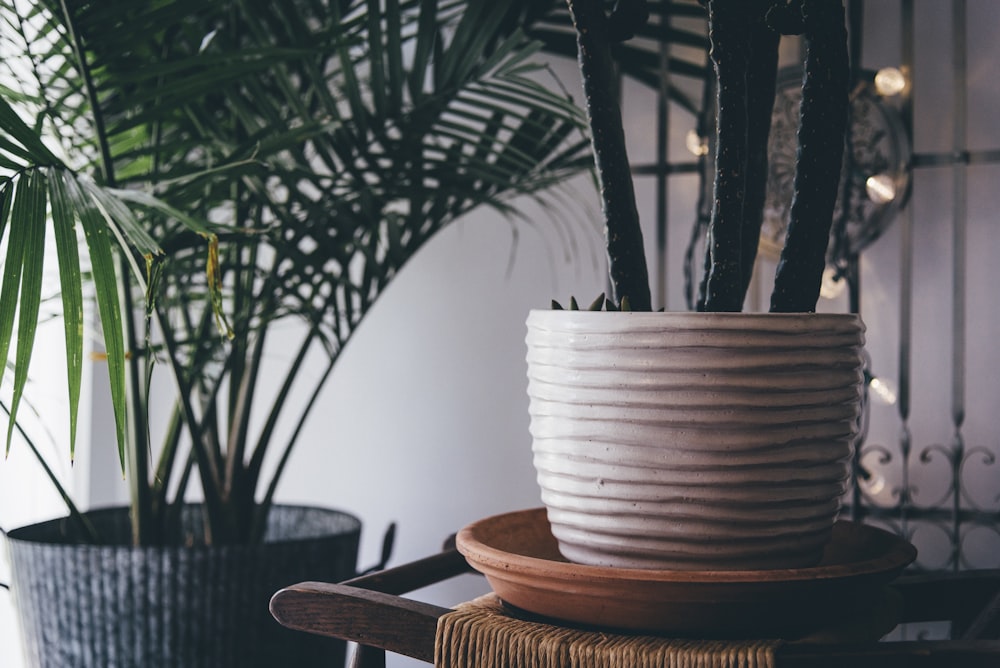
(71, 282)
(22, 279)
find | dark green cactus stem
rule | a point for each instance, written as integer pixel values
(627, 260)
(822, 124)
(730, 54)
(762, 72)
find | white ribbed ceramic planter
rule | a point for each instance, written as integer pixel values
(693, 440)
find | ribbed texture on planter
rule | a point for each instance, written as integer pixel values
(115, 606)
(693, 440)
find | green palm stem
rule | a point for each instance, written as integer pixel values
(242, 516)
(242, 270)
(267, 431)
(243, 379)
(142, 513)
(627, 260)
(822, 126)
(173, 511)
(243, 362)
(163, 475)
(167, 515)
(159, 518)
(234, 492)
(226, 479)
(207, 461)
(265, 504)
(240, 478)
(730, 54)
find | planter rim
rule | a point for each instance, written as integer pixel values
(94, 606)
(618, 322)
(351, 524)
(693, 315)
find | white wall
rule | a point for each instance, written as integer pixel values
(425, 419)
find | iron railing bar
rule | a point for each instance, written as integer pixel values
(907, 24)
(959, 224)
(653, 169)
(963, 156)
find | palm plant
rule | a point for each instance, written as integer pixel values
(256, 162)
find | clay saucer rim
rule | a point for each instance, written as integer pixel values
(474, 542)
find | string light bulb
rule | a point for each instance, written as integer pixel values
(873, 483)
(881, 188)
(695, 143)
(890, 81)
(833, 284)
(883, 390)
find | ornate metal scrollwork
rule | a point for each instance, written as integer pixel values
(951, 528)
(877, 148)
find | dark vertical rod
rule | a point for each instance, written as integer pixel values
(852, 273)
(662, 154)
(855, 33)
(959, 214)
(906, 272)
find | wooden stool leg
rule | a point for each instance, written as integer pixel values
(368, 657)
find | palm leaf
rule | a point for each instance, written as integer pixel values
(13, 199)
(21, 140)
(22, 280)
(102, 260)
(27, 230)
(123, 218)
(71, 281)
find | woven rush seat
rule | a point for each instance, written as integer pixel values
(483, 634)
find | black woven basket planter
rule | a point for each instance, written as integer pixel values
(117, 606)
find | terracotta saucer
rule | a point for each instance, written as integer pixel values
(520, 559)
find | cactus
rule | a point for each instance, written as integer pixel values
(744, 37)
(822, 125)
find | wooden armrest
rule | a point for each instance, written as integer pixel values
(415, 574)
(368, 610)
(371, 618)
